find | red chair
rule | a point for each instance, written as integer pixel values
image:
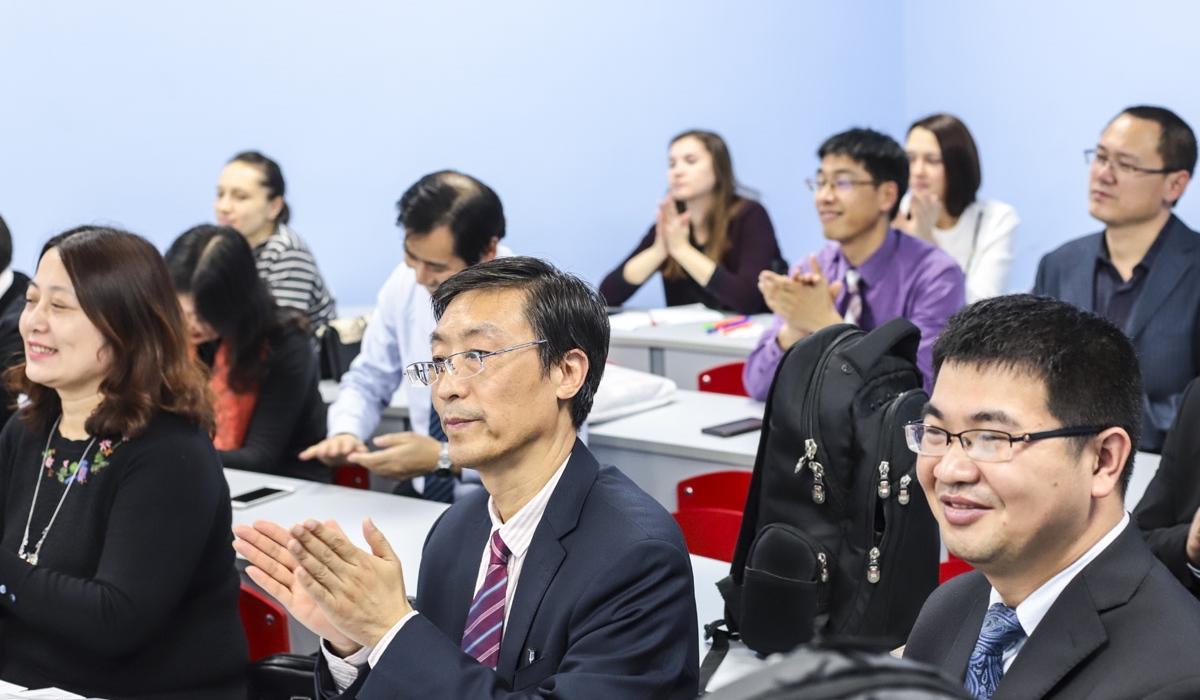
(352, 476)
(710, 532)
(952, 567)
(265, 622)
(723, 379)
(725, 490)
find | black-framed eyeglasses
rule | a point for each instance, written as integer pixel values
(1119, 167)
(980, 445)
(461, 364)
(841, 184)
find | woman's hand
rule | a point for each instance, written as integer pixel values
(924, 209)
(672, 228)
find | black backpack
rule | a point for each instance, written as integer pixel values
(837, 538)
(812, 673)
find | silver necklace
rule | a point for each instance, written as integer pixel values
(32, 556)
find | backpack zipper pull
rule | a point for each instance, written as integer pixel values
(904, 482)
(810, 452)
(818, 492)
(873, 565)
(824, 562)
(885, 486)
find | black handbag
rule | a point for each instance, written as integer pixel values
(283, 677)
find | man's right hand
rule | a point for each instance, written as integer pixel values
(401, 455)
(1193, 541)
(334, 450)
(273, 568)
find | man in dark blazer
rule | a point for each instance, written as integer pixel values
(1143, 271)
(594, 599)
(1169, 512)
(1044, 403)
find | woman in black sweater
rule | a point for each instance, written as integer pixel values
(116, 575)
(708, 242)
(263, 361)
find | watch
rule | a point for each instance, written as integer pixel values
(443, 469)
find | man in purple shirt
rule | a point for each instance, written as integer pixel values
(857, 191)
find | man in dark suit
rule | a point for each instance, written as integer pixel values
(1142, 272)
(1044, 402)
(563, 579)
(12, 303)
(1169, 512)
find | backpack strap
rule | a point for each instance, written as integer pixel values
(896, 337)
(716, 653)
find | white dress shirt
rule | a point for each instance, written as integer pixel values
(517, 534)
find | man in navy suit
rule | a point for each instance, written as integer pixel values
(1142, 272)
(1025, 452)
(562, 579)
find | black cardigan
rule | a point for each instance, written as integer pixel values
(135, 593)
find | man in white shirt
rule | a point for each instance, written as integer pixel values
(563, 579)
(1025, 455)
(450, 221)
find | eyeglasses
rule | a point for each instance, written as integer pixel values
(1119, 168)
(980, 445)
(461, 364)
(842, 184)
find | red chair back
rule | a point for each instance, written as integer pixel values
(353, 476)
(710, 532)
(723, 379)
(725, 490)
(266, 623)
(952, 567)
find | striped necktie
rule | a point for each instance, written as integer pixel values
(437, 488)
(485, 621)
(1001, 629)
(854, 305)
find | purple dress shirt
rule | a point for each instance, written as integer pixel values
(906, 277)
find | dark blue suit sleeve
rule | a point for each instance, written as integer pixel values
(631, 636)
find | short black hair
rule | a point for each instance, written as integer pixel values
(1088, 364)
(560, 307)
(1176, 144)
(883, 158)
(449, 198)
(6, 250)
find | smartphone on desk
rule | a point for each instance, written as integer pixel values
(737, 427)
(260, 495)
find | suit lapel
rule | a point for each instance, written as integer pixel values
(1073, 629)
(545, 554)
(1079, 280)
(1172, 262)
(968, 634)
(466, 571)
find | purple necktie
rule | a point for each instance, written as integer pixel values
(485, 621)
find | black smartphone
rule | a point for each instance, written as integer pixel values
(262, 495)
(680, 206)
(737, 427)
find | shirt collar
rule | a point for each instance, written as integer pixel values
(1031, 611)
(1147, 260)
(6, 280)
(875, 268)
(518, 531)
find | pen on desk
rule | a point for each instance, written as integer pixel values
(746, 321)
(725, 323)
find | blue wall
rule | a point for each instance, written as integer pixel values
(124, 112)
(1037, 82)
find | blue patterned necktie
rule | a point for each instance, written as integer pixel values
(437, 488)
(1001, 629)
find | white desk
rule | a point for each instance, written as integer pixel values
(660, 447)
(405, 522)
(681, 352)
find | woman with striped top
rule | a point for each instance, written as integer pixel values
(250, 200)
